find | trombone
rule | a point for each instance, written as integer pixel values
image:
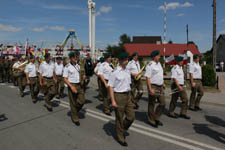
(174, 91)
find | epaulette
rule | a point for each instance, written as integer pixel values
(150, 63)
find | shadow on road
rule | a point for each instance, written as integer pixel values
(205, 130)
(3, 117)
(215, 120)
(109, 129)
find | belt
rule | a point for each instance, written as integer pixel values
(198, 79)
(59, 75)
(121, 92)
(32, 77)
(48, 77)
(76, 83)
(157, 85)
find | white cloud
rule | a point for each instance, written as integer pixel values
(187, 4)
(175, 5)
(40, 29)
(222, 32)
(58, 28)
(105, 9)
(180, 15)
(60, 7)
(9, 28)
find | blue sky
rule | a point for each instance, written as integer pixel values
(48, 21)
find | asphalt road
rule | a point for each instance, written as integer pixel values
(31, 127)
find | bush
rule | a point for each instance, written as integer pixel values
(208, 75)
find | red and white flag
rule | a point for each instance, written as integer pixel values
(170, 60)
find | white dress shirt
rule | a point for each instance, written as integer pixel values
(46, 69)
(120, 80)
(97, 67)
(133, 67)
(59, 69)
(105, 70)
(178, 74)
(31, 70)
(154, 72)
(72, 73)
(196, 70)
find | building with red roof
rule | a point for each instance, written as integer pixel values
(144, 50)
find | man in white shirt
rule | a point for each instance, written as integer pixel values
(104, 73)
(196, 84)
(155, 84)
(120, 93)
(136, 85)
(32, 79)
(100, 94)
(177, 87)
(48, 81)
(19, 74)
(72, 77)
(60, 82)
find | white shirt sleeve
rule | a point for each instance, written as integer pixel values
(112, 79)
(148, 72)
(100, 70)
(174, 73)
(41, 69)
(191, 68)
(66, 72)
(26, 69)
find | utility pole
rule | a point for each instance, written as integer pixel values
(164, 32)
(214, 34)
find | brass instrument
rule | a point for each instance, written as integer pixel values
(114, 62)
(174, 91)
(140, 73)
(17, 73)
(23, 65)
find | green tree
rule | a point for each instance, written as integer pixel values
(115, 50)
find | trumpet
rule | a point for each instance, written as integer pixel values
(139, 75)
(174, 91)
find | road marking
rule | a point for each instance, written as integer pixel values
(11, 86)
(2, 84)
(177, 140)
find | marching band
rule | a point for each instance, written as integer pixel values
(120, 87)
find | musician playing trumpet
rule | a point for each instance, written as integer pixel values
(136, 86)
(178, 90)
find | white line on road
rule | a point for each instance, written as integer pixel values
(152, 132)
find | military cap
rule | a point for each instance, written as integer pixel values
(71, 54)
(179, 58)
(134, 54)
(196, 56)
(31, 57)
(107, 55)
(47, 55)
(77, 53)
(58, 57)
(102, 59)
(155, 53)
(123, 56)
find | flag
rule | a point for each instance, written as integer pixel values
(170, 60)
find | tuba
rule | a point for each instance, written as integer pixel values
(17, 73)
(140, 73)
